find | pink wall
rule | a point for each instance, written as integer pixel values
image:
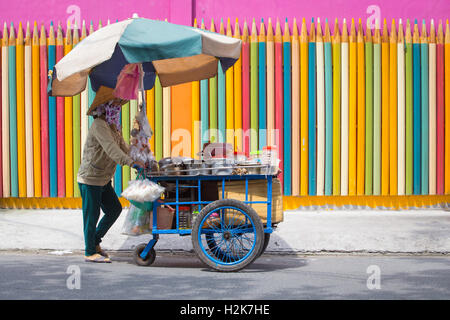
(331, 9)
(182, 11)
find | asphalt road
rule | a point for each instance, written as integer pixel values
(182, 276)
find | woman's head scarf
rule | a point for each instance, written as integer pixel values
(111, 111)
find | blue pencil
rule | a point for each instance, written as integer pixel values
(262, 88)
(91, 92)
(328, 112)
(416, 113)
(424, 113)
(52, 121)
(312, 111)
(204, 112)
(287, 167)
(13, 113)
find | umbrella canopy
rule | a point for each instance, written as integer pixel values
(177, 53)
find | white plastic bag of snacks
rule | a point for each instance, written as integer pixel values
(142, 190)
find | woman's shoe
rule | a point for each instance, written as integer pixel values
(97, 258)
(101, 252)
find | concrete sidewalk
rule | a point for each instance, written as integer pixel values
(382, 231)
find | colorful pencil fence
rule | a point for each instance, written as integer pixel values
(353, 111)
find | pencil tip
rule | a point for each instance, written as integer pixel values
(312, 20)
(415, 21)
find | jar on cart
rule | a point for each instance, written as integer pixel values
(269, 158)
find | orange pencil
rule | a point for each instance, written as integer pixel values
(20, 80)
(393, 111)
(360, 161)
(385, 111)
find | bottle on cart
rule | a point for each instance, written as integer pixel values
(184, 217)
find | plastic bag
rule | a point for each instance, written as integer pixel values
(127, 86)
(136, 222)
(140, 134)
(142, 190)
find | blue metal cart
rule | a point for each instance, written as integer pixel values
(227, 234)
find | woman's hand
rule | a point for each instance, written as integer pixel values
(138, 164)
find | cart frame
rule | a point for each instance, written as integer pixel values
(198, 179)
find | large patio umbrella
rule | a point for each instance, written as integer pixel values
(176, 53)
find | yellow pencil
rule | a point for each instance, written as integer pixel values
(237, 68)
(295, 110)
(393, 110)
(385, 111)
(229, 86)
(336, 44)
(304, 41)
(150, 100)
(68, 123)
(360, 161)
(352, 107)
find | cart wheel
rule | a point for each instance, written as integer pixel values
(265, 243)
(228, 235)
(220, 254)
(151, 256)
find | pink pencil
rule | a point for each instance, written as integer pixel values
(245, 90)
(279, 93)
(440, 111)
(60, 124)
(1, 155)
(44, 113)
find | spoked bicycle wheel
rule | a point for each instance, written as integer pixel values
(227, 235)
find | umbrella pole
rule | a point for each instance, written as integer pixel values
(141, 88)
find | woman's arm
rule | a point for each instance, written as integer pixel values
(102, 132)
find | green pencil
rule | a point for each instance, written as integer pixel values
(133, 111)
(369, 111)
(254, 88)
(158, 120)
(376, 177)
